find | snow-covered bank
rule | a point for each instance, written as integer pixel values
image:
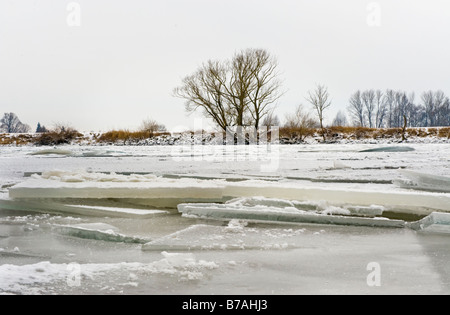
(354, 135)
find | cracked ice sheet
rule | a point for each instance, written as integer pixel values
(235, 236)
(332, 260)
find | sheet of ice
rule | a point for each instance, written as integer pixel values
(85, 185)
(422, 181)
(142, 212)
(401, 201)
(286, 211)
(103, 153)
(235, 236)
(340, 165)
(319, 207)
(81, 184)
(390, 149)
(48, 206)
(333, 262)
(436, 222)
(97, 231)
(47, 278)
(52, 152)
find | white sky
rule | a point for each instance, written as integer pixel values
(122, 63)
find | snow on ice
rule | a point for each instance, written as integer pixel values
(46, 277)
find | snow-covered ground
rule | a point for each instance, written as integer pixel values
(299, 219)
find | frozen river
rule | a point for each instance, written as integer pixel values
(162, 252)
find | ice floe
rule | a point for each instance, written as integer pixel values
(97, 231)
(389, 149)
(86, 185)
(275, 210)
(53, 151)
(235, 236)
(422, 181)
(55, 207)
(157, 191)
(436, 222)
(396, 200)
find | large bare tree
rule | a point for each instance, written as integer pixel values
(356, 109)
(381, 109)
(236, 92)
(265, 86)
(368, 99)
(10, 123)
(319, 98)
(205, 90)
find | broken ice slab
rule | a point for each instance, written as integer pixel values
(150, 190)
(52, 152)
(436, 222)
(235, 236)
(97, 231)
(18, 254)
(66, 184)
(390, 149)
(319, 207)
(373, 210)
(422, 181)
(422, 203)
(47, 206)
(258, 214)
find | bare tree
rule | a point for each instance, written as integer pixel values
(237, 92)
(265, 86)
(10, 123)
(205, 90)
(271, 120)
(445, 113)
(356, 109)
(368, 99)
(381, 109)
(389, 99)
(441, 108)
(151, 126)
(429, 104)
(319, 99)
(401, 102)
(340, 119)
(299, 123)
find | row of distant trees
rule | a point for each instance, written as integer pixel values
(378, 109)
(10, 123)
(243, 91)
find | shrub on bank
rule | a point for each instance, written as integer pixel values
(65, 136)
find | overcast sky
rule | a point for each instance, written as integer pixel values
(121, 63)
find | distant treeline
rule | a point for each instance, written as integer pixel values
(377, 109)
